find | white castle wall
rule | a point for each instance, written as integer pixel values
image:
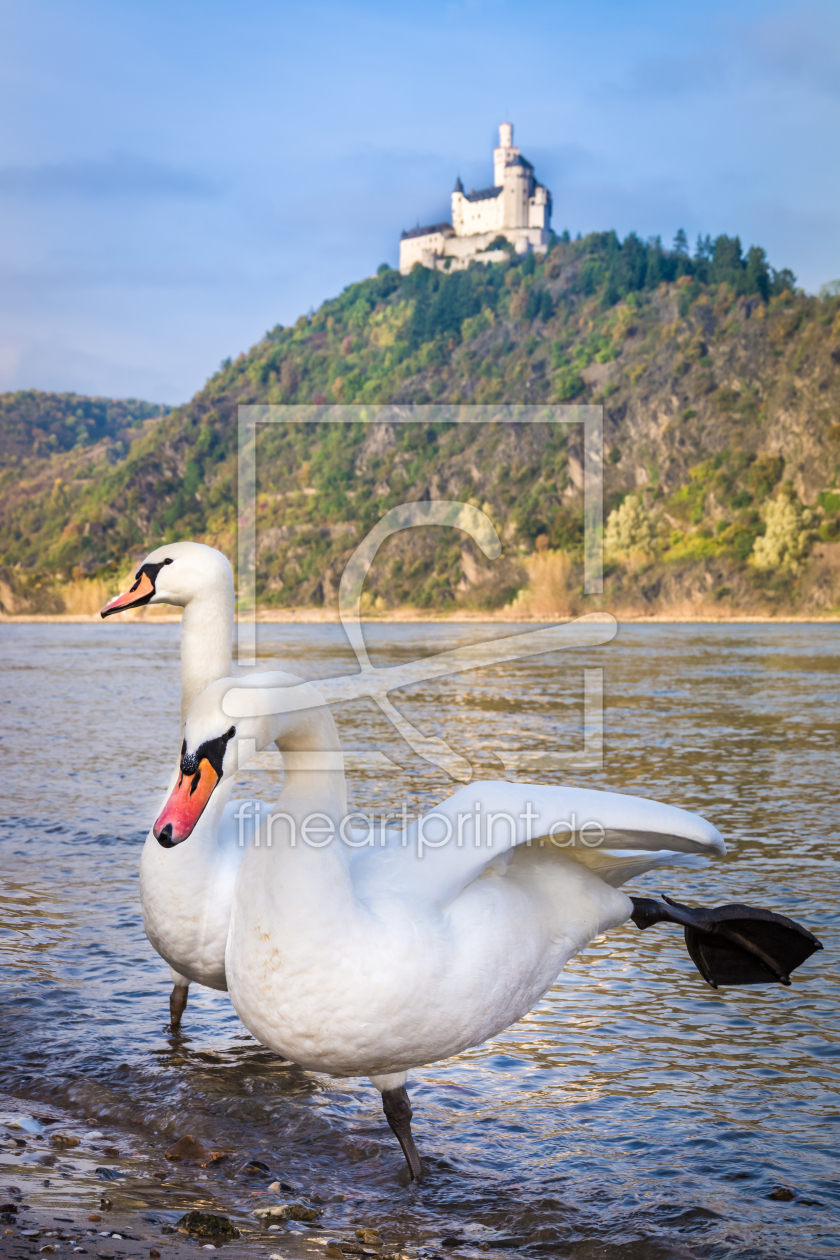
(470, 217)
(421, 249)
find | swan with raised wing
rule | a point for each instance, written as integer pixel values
(376, 959)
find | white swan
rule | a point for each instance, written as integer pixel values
(373, 960)
(186, 895)
(198, 579)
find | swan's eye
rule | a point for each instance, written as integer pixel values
(167, 561)
(212, 750)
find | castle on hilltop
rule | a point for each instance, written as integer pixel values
(517, 207)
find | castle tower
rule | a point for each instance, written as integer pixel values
(505, 153)
(517, 184)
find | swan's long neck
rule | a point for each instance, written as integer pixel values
(300, 858)
(206, 642)
(314, 774)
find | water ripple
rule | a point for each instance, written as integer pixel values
(633, 1114)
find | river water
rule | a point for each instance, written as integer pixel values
(635, 1113)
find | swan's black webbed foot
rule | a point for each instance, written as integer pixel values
(178, 1004)
(733, 944)
(398, 1113)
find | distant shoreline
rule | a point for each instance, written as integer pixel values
(308, 617)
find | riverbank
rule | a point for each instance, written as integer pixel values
(118, 1197)
(317, 617)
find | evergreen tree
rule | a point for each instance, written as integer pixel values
(704, 249)
(757, 272)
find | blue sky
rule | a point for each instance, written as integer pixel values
(176, 177)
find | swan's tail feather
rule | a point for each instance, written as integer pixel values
(733, 944)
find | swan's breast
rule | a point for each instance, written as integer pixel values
(398, 982)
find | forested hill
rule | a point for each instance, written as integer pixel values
(719, 382)
(36, 424)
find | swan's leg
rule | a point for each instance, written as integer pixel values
(398, 1113)
(178, 998)
(733, 944)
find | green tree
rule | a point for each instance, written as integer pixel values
(786, 542)
(757, 272)
(704, 248)
(630, 534)
(726, 263)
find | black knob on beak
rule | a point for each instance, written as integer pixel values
(165, 837)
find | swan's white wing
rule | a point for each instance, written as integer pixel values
(616, 836)
(617, 866)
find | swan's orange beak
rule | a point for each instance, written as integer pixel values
(140, 593)
(185, 805)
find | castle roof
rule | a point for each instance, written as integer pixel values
(483, 194)
(520, 161)
(445, 228)
(459, 187)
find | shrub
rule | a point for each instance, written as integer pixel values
(547, 593)
(568, 384)
(786, 541)
(829, 500)
(764, 474)
(630, 534)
